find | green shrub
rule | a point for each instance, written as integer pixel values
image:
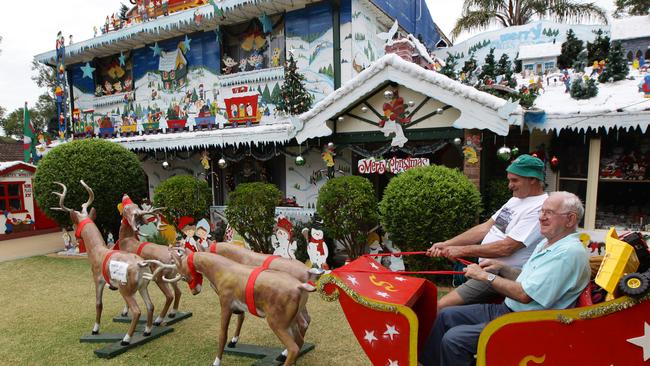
(251, 211)
(183, 195)
(495, 195)
(348, 207)
(426, 205)
(108, 168)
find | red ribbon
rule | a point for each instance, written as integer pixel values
(213, 248)
(250, 284)
(104, 263)
(142, 247)
(197, 278)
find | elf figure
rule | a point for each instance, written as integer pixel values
(316, 247)
(202, 233)
(328, 157)
(281, 239)
(187, 227)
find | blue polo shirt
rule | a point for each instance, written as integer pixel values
(555, 276)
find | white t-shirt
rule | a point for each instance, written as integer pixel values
(519, 220)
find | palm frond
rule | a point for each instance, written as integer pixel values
(474, 20)
(563, 10)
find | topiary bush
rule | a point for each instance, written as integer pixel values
(183, 195)
(426, 205)
(495, 195)
(108, 168)
(251, 211)
(348, 207)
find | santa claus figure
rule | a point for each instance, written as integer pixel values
(187, 227)
(282, 242)
(316, 247)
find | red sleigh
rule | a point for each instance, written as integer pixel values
(391, 315)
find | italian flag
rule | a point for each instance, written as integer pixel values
(28, 137)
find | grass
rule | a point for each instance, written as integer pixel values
(48, 303)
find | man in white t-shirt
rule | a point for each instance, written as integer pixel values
(510, 235)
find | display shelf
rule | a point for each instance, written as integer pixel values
(572, 178)
(608, 180)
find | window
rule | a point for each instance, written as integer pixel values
(245, 47)
(11, 197)
(548, 66)
(529, 67)
(630, 57)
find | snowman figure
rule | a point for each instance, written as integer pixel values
(396, 261)
(281, 239)
(316, 247)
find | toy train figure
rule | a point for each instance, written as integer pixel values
(205, 119)
(106, 127)
(242, 107)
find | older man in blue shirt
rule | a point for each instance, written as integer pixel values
(552, 278)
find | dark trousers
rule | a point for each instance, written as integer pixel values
(454, 337)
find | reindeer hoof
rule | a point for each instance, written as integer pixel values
(95, 332)
(172, 315)
(157, 324)
(146, 334)
(281, 358)
(124, 343)
(232, 344)
(112, 288)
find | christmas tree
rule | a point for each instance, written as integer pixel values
(616, 68)
(489, 67)
(449, 69)
(599, 49)
(583, 90)
(504, 67)
(570, 50)
(294, 97)
(469, 67)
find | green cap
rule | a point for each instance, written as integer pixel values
(527, 166)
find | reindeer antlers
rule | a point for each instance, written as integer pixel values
(91, 197)
(61, 199)
(161, 266)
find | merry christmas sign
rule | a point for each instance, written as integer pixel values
(390, 314)
(393, 165)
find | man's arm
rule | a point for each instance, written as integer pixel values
(496, 249)
(469, 237)
(504, 286)
(498, 268)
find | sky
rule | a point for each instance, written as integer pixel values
(28, 33)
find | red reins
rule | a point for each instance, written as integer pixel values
(460, 260)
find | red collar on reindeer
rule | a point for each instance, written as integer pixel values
(250, 284)
(139, 252)
(197, 278)
(110, 253)
(213, 247)
(77, 233)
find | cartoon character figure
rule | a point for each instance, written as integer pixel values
(566, 79)
(234, 112)
(328, 157)
(316, 247)
(187, 227)
(249, 110)
(117, 87)
(242, 64)
(67, 241)
(281, 239)
(396, 261)
(108, 88)
(230, 64)
(94, 31)
(128, 83)
(256, 60)
(242, 110)
(203, 233)
(275, 57)
(205, 160)
(646, 86)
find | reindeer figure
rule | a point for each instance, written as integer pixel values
(129, 241)
(269, 294)
(121, 270)
(293, 267)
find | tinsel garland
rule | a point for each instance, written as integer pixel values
(327, 279)
(610, 307)
(412, 151)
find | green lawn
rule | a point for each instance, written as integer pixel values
(48, 303)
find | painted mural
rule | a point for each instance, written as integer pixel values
(414, 17)
(508, 40)
(303, 182)
(175, 84)
(310, 38)
(365, 45)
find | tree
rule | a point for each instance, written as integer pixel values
(631, 7)
(123, 10)
(469, 67)
(481, 14)
(294, 97)
(251, 211)
(504, 67)
(183, 195)
(488, 70)
(13, 123)
(449, 69)
(570, 50)
(616, 67)
(108, 168)
(583, 89)
(425, 205)
(599, 49)
(348, 207)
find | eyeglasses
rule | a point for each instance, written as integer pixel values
(543, 213)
